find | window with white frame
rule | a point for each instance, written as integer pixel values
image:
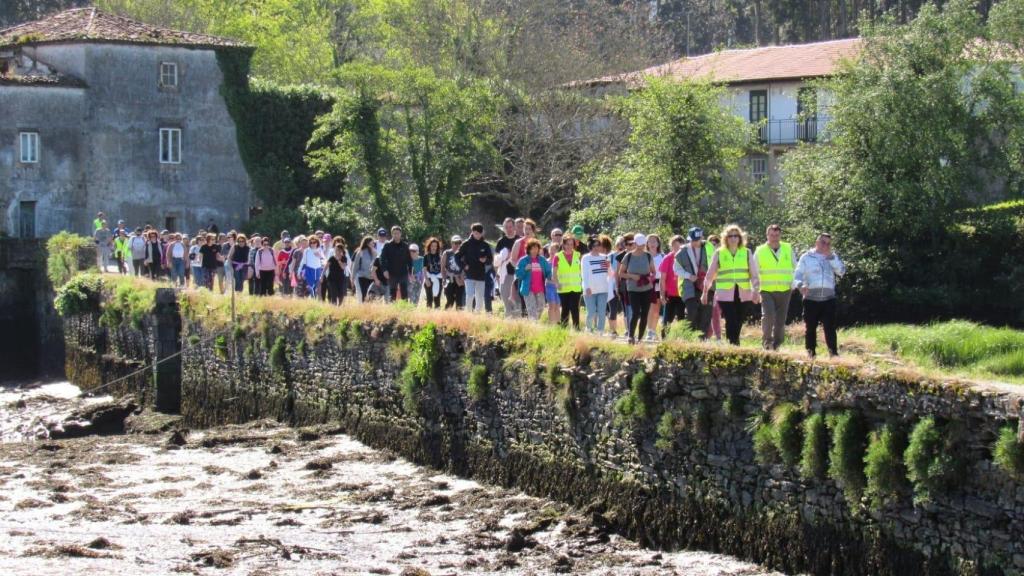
(758, 168)
(168, 75)
(170, 145)
(29, 142)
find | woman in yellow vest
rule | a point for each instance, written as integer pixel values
(568, 280)
(734, 274)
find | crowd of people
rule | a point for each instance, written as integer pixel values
(698, 279)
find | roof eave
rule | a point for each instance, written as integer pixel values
(240, 47)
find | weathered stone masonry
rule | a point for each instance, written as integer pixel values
(553, 432)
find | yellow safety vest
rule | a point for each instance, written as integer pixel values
(733, 270)
(569, 277)
(97, 224)
(709, 248)
(776, 274)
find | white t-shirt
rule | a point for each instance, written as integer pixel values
(197, 260)
(595, 271)
(177, 250)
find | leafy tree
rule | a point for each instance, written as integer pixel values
(679, 166)
(924, 125)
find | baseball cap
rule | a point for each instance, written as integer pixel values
(695, 233)
(382, 232)
(456, 238)
(640, 239)
(414, 247)
(577, 231)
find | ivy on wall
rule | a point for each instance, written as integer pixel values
(274, 124)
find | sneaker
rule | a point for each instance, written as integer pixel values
(631, 341)
(651, 335)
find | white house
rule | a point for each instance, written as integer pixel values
(770, 86)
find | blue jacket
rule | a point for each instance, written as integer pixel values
(523, 272)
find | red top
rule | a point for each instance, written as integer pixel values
(669, 280)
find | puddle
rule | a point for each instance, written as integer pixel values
(264, 499)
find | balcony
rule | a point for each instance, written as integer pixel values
(793, 131)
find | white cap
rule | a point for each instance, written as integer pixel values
(414, 247)
(640, 239)
(456, 238)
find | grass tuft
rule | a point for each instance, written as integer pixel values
(479, 384)
(635, 406)
(787, 433)
(1008, 452)
(420, 370)
(814, 455)
(883, 468)
(846, 454)
(932, 459)
(666, 432)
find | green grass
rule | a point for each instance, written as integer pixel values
(479, 383)
(933, 459)
(814, 455)
(883, 466)
(1008, 452)
(958, 345)
(634, 406)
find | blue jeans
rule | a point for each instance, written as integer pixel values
(239, 278)
(597, 307)
(178, 271)
(198, 276)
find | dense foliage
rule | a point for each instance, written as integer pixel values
(925, 130)
(64, 254)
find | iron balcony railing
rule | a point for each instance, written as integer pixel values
(792, 131)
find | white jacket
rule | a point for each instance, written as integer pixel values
(818, 274)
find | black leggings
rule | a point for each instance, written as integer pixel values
(364, 287)
(433, 302)
(570, 306)
(640, 304)
(674, 310)
(825, 313)
(734, 313)
(265, 283)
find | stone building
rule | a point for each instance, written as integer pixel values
(103, 113)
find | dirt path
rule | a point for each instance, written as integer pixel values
(262, 499)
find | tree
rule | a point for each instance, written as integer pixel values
(925, 125)
(679, 167)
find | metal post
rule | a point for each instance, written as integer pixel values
(231, 287)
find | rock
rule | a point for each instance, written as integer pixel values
(414, 571)
(253, 474)
(99, 418)
(177, 438)
(319, 464)
(151, 422)
(516, 541)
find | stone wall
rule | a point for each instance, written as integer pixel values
(556, 432)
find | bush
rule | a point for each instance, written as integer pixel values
(932, 460)
(666, 432)
(420, 369)
(279, 355)
(1008, 452)
(814, 456)
(884, 466)
(128, 303)
(786, 432)
(765, 450)
(220, 347)
(634, 406)
(80, 295)
(479, 383)
(846, 454)
(62, 256)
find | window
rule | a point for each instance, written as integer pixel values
(29, 147)
(168, 75)
(170, 146)
(758, 168)
(758, 105)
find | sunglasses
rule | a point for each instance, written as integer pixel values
(733, 236)
(556, 235)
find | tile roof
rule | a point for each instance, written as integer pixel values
(93, 25)
(53, 80)
(747, 65)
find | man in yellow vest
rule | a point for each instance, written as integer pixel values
(776, 261)
(98, 221)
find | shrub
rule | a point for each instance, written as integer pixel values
(420, 369)
(666, 432)
(279, 355)
(220, 347)
(1008, 452)
(814, 456)
(128, 303)
(765, 450)
(884, 466)
(786, 432)
(62, 256)
(634, 406)
(80, 295)
(931, 459)
(479, 383)
(846, 454)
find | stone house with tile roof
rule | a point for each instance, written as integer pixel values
(101, 113)
(769, 85)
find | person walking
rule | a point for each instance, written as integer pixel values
(362, 266)
(715, 327)
(152, 261)
(99, 221)
(175, 257)
(691, 267)
(654, 314)
(137, 248)
(733, 270)
(815, 277)
(528, 230)
(568, 279)
(265, 268)
(597, 284)
(122, 254)
(396, 262)
(312, 266)
(776, 262)
(532, 272)
(416, 279)
(550, 290)
(334, 279)
(211, 258)
(637, 269)
(505, 266)
(453, 276)
(104, 241)
(477, 256)
(282, 258)
(238, 257)
(432, 282)
(195, 260)
(674, 307)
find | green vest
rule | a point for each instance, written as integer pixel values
(569, 277)
(776, 275)
(97, 224)
(709, 248)
(121, 247)
(733, 270)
